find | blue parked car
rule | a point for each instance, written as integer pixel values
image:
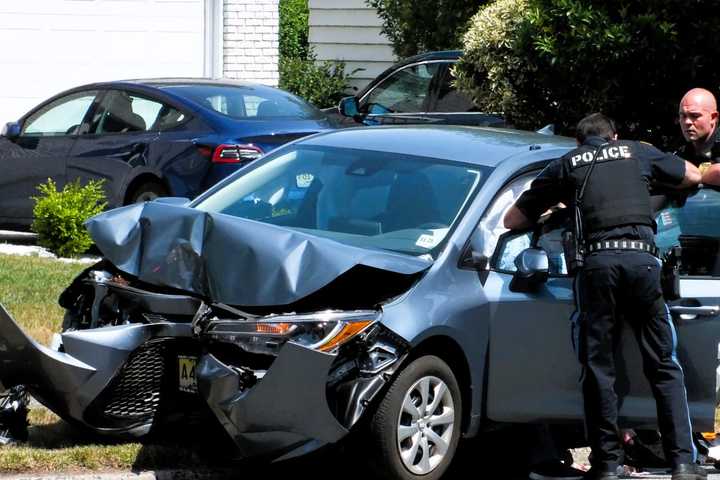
(146, 138)
(357, 281)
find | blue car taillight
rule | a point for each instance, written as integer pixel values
(239, 153)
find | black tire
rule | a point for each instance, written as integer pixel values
(384, 426)
(146, 192)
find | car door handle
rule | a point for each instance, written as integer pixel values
(689, 313)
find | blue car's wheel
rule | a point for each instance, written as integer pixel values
(416, 428)
(147, 192)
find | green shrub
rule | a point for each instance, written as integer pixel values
(321, 83)
(491, 64)
(59, 215)
(293, 31)
(416, 26)
(557, 60)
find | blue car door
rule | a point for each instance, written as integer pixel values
(534, 373)
(39, 153)
(119, 143)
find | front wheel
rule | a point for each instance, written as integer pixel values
(416, 428)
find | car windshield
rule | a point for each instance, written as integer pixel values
(363, 198)
(247, 102)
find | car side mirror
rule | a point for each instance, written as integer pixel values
(11, 130)
(532, 270)
(178, 201)
(349, 107)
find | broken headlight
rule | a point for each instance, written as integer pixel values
(323, 331)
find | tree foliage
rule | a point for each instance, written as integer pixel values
(554, 61)
(321, 83)
(293, 29)
(416, 26)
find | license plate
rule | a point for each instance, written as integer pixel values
(186, 369)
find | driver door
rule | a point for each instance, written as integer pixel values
(39, 153)
(534, 372)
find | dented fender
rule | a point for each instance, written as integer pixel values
(287, 406)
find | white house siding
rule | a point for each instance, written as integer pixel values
(349, 30)
(250, 40)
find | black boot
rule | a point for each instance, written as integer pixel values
(689, 471)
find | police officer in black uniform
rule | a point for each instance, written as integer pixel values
(621, 276)
(698, 119)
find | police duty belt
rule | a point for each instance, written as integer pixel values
(622, 244)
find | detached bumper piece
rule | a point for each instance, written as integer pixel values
(287, 408)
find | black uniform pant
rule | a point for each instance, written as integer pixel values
(617, 284)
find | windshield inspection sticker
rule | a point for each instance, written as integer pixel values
(303, 180)
(431, 240)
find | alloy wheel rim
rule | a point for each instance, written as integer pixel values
(146, 197)
(425, 425)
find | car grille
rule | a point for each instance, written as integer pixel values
(133, 397)
(135, 393)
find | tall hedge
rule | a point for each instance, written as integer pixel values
(554, 61)
(416, 26)
(293, 28)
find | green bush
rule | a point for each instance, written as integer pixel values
(321, 83)
(558, 60)
(416, 26)
(59, 215)
(293, 31)
(491, 65)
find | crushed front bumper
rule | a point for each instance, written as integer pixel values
(285, 410)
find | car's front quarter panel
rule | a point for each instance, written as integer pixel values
(447, 303)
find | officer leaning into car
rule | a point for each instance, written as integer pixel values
(620, 279)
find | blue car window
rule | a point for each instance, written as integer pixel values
(363, 198)
(405, 91)
(60, 117)
(246, 102)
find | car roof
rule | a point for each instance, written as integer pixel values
(424, 57)
(175, 82)
(477, 145)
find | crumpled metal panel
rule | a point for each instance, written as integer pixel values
(287, 406)
(67, 382)
(229, 259)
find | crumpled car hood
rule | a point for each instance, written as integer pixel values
(229, 259)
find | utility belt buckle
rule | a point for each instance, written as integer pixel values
(623, 244)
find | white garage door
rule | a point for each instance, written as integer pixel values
(50, 45)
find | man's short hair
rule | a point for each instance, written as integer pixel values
(595, 125)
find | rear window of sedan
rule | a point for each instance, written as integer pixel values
(247, 102)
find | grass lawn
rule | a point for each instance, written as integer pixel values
(29, 289)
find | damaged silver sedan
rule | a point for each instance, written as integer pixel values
(355, 281)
